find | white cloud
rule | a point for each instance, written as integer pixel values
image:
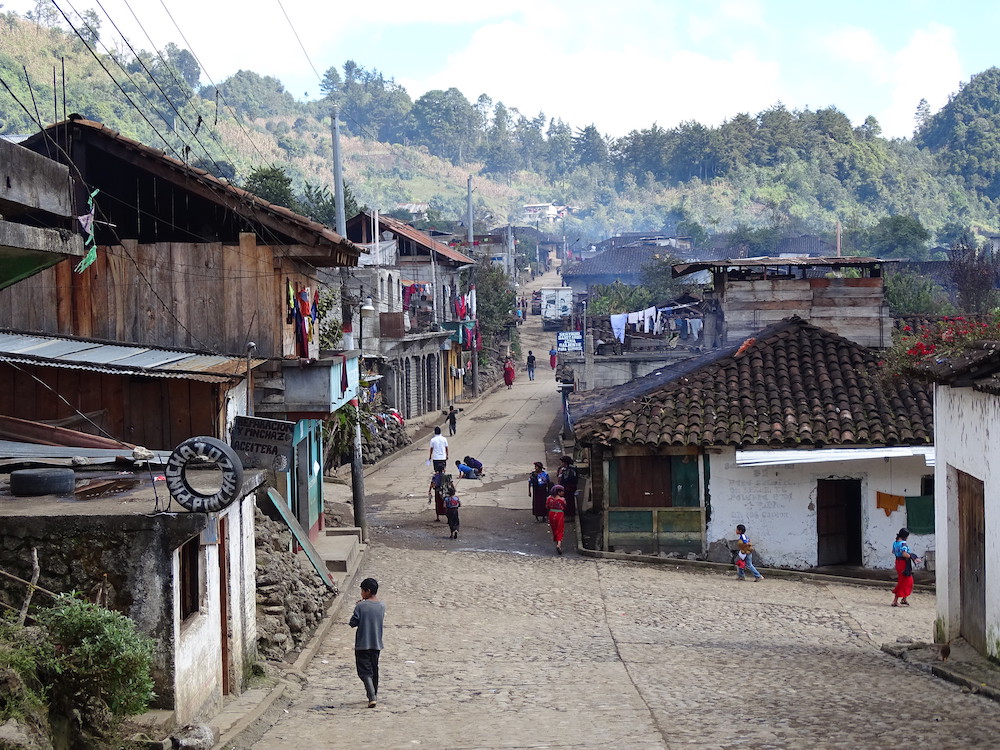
(928, 67)
(854, 45)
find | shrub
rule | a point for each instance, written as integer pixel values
(97, 655)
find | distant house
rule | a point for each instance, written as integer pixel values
(622, 264)
(414, 211)
(421, 334)
(842, 295)
(547, 212)
(967, 496)
(792, 434)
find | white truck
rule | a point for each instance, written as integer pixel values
(557, 307)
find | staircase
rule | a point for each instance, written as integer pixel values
(342, 550)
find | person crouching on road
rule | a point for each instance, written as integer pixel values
(451, 506)
(475, 463)
(556, 505)
(465, 471)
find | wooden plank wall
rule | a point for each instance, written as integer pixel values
(205, 296)
(852, 308)
(158, 413)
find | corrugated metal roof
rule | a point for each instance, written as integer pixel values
(120, 359)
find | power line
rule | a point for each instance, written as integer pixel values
(299, 40)
(205, 71)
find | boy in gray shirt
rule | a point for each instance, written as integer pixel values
(369, 614)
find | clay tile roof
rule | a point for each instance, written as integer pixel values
(796, 386)
(626, 261)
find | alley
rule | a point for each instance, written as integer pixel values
(493, 642)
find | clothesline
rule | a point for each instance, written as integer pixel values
(651, 320)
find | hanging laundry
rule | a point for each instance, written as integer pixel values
(648, 319)
(682, 325)
(634, 318)
(289, 302)
(696, 326)
(618, 326)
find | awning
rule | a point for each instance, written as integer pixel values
(120, 359)
(830, 455)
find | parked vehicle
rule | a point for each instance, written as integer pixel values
(557, 307)
(536, 302)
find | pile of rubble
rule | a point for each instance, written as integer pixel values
(291, 598)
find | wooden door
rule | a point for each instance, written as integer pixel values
(838, 522)
(643, 481)
(972, 560)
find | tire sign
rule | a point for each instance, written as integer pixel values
(197, 453)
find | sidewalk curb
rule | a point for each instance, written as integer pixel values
(941, 671)
(801, 575)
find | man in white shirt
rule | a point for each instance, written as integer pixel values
(439, 450)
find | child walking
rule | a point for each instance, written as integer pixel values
(368, 618)
(744, 558)
(451, 506)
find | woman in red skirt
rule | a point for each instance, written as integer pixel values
(556, 504)
(905, 560)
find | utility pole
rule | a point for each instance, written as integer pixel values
(470, 236)
(357, 462)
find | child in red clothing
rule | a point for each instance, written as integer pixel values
(556, 505)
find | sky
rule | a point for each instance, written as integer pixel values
(621, 66)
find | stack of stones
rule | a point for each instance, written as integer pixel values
(291, 598)
(381, 440)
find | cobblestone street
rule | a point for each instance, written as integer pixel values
(504, 650)
(492, 641)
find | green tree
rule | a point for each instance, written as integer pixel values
(913, 294)
(658, 278)
(617, 298)
(898, 237)
(495, 300)
(319, 204)
(273, 185)
(446, 123)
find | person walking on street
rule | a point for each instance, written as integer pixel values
(435, 492)
(452, 420)
(508, 373)
(553, 358)
(538, 490)
(451, 506)
(438, 454)
(530, 362)
(368, 618)
(556, 506)
(744, 556)
(904, 569)
(566, 476)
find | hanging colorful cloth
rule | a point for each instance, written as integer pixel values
(289, 302)
(89, 242)
(315, 309)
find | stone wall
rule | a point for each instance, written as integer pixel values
(382, 440)
(291, 598)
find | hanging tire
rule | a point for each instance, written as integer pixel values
(34, 482)
(199, 452)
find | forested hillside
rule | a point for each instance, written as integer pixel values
(774, 172)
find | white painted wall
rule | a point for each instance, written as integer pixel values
(198, 643)
(777, 504)
(966, 431)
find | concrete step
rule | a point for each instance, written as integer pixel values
(344, 531)
(340, 552)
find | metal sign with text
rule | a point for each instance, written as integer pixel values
(569, 341)
(263, 443)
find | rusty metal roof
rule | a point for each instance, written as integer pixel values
(120, 359)
(399, 227)
(682, 269)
